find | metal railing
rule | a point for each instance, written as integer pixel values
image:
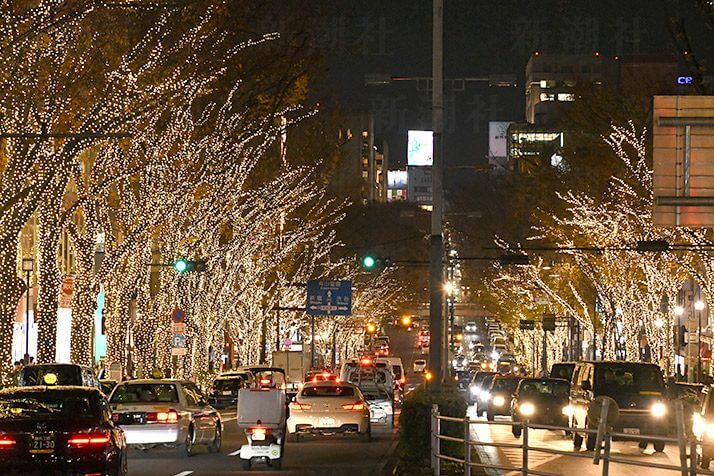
(603, 443)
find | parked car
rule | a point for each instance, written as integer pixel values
(61, 374)
(542, 401)
(637, 388)
(419, 366)
(63, 429)
(166, 412)
(224, 389)
(500, 395)
(703, 429)
(329, 408)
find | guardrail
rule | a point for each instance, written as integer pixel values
(604, 435)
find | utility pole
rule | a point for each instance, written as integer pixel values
(436, 276)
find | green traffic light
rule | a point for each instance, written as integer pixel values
(368, 262)
(181, 265)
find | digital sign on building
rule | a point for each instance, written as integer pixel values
(420, 148)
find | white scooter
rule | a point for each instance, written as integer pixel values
(262, 415)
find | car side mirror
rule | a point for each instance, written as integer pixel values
(586, 385)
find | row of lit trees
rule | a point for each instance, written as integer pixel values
(128, 123)
(592, 270)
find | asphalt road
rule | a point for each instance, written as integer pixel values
(319, 456)
(565, 465)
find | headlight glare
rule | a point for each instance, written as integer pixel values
(658, 410)
(499, 401)
(527, 409)
(485, 396)
(568, 410)
(473, 389)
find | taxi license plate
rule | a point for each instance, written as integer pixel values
(327, 422)
(42, 444)
(631, 431)
(227, 392)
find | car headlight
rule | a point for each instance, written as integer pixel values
(658, 410)
(526, 409)
(483, 365)
(568, 410)
(499, 401)
(495, 355)
(485, 396)
(473, 389)
(698, 425)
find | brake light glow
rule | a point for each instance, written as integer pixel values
(258, 433)
(300, 406)
(7, 441)
(403, 380)
(355, 407)
(265, 381)
(366, 361)
(170, 416)
(88, 439)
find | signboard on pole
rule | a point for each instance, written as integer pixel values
(527, 324)
(178, 327)
(329, 298)
(548, 322)
(66, 292)
(178, 344)
(178, 315)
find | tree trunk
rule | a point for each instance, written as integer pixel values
(12, 287)
(49, 281)
(84, 306)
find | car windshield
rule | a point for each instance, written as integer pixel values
(328, 391)
(544, 388)
(145, 393)
(504, 385)
(613, 379)
(564, 371)
(35, 374)
(56, 405)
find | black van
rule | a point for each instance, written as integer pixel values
(58, 374)
(637, 388)
(562, 370)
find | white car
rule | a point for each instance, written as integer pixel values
(165, 412)
(329, 408)
(419, 366)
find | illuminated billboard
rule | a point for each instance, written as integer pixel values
(397, 179)
(420, 149)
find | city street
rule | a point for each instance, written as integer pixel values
(318, 456)
(561, 464)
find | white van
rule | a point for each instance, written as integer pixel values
(395, 365)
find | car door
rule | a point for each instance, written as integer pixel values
(203, 414)
(582, 396)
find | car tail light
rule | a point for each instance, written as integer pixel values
(403, 380)
(355, 407)
(88, 439)
(300, 406)
(170, 416)
(259, 433)
(7, 441)
(265, 382)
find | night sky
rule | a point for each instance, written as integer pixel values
(482, 37)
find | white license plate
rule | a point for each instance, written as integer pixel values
(328, 422)
(258, 436)
(227, 392)
(42, 444)
(631, 431)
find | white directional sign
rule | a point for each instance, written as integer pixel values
(178, 327)
(329, 298)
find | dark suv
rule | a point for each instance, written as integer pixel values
(58, 374)
(637, 388)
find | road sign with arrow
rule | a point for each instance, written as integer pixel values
(329, 298)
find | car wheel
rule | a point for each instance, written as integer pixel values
(490, 416)
(517, 430)
(366, 436)
(577, 441)
(642, 445)
(187, 447)
(215, 445)
(276, 464)
(245, 463)
(659, 446)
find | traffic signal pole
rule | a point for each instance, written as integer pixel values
(436, 275)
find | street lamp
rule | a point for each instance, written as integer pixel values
(28, 264)
(699, 306)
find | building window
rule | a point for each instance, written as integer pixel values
(547, 97)
(547, 83)
(566, 97)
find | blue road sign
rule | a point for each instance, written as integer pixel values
(178, 315)
(178, 341)
(329, 298)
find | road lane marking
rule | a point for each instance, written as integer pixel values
(229, 419)
(183, 473)
(235, 453)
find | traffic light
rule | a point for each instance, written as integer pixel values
(182, 265)
(406, 320)
(371, 328)
(371, 262)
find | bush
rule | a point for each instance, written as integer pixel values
(415, 422)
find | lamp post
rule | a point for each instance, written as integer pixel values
(679, 312)
(28, 264)
(699, 306)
